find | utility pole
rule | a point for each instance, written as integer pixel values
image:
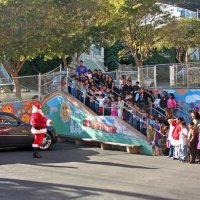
(198, 13)
(198, 16)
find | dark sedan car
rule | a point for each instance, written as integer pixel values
(16, 133)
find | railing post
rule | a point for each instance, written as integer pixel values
(103, 110)
(155, 76)
(39, 86)
(67, 78)
(84, 99)
(60, 78)
(171, 75)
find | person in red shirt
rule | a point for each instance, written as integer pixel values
(39, 123)
(175, 136)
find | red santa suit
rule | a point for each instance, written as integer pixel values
(39, 123)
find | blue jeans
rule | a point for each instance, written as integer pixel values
(171, 150)
(73, 92)
(183, 152)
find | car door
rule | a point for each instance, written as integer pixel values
(14, 131)
(3, 134)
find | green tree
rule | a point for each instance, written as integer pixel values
(21, 36)
(54, 28)
(182, 34)
(136, 23)
(71, 33)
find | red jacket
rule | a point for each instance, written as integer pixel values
(176, 132)
(39, 123)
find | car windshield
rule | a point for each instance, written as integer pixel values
(5, 119)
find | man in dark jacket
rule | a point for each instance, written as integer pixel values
(144, 98)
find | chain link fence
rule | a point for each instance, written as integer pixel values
(179, 75)
(19, 89)
(157, 76)
(185, 75)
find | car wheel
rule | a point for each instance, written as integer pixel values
(47, 141)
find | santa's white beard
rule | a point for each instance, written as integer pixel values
(36, 110)
(40, 111)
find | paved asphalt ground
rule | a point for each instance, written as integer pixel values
(81, 172)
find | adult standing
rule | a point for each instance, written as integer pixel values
(163, 102)
(81, 69)
(144, 98)
(39, 123)
(195, 117)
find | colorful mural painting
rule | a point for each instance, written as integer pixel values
(71, 118)
(21, 109)
(188, 100)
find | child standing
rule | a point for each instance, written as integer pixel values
(172, 124)
(183, 142)
(198, 144)
(150, 136)
(120, 107)
(101, 100)
(114, 105)
(73, 86)
(192, 142)
(107, 106)
(171, 103)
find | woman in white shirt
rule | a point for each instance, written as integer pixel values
(156, 105)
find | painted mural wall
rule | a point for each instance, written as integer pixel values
(189, 99)
(72, 119)
(21, 109)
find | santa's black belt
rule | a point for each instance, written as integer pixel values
(38, 127)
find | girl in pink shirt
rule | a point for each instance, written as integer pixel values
(171, 103)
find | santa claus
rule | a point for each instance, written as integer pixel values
(39, 123)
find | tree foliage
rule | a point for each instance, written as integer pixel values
(183, 35)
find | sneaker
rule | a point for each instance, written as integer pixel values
(169, 156)
(183, 161)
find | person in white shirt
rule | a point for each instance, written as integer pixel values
(101, 101)
(120, 107)
(183, 142)
(156, 105)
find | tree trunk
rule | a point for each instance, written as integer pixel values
(17, 88)
(140, 70)
(187, 57)
(65, 62)
(13, 70)
(75, 59)
(179, 55)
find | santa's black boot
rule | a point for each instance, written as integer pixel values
(36, 153)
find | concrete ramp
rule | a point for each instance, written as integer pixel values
(73, 119)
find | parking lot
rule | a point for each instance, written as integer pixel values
(84, 172)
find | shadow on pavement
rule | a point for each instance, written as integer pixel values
(118, 165)
(61, 153)
(41, 190)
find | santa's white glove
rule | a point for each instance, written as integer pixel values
(49, 122)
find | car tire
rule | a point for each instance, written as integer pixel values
(47, 142)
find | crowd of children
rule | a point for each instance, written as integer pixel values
(184, 139)
(154, 117)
